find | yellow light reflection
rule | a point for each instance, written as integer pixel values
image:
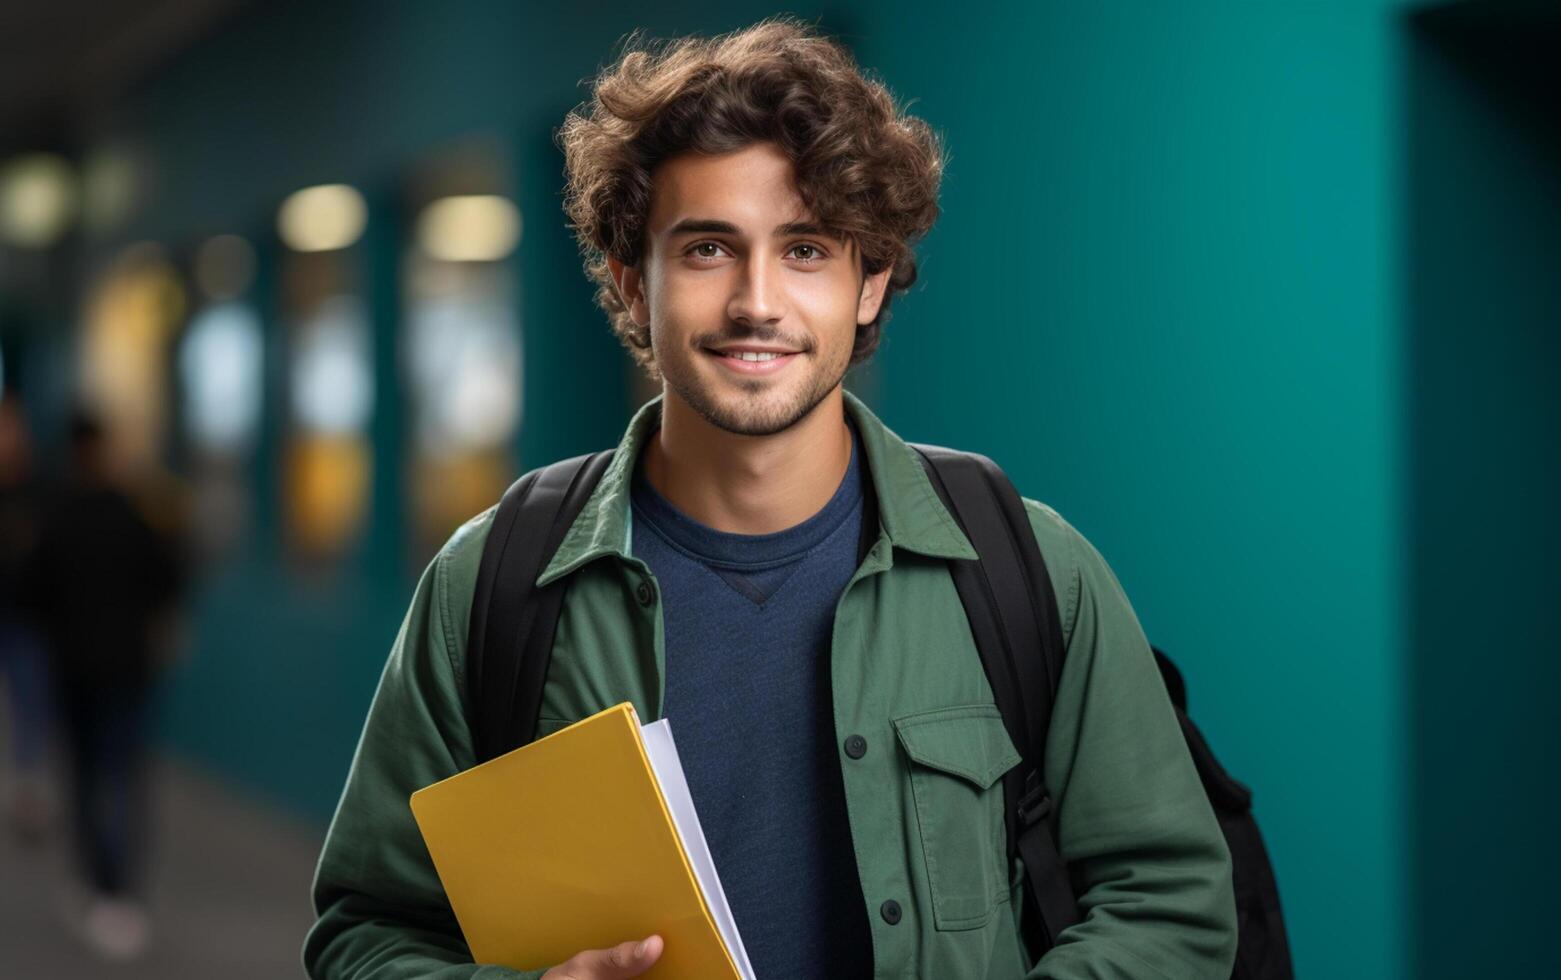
(469, 228)
(130, 320)
(38, 200)
(322, 218)
(447, 491)
(327, 483)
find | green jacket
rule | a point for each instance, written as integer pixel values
(925, 800)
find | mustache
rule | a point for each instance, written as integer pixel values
(738, 333)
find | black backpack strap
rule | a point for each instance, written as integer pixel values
(1012, 608)
(510, 640)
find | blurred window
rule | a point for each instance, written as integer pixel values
(220, 368)
(328, 460)
(131, 319)
(461, 345)
(221, 373)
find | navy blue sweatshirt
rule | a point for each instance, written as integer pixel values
(748, 619)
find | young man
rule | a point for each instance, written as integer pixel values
(749, 204)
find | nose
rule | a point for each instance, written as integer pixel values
(758, 295)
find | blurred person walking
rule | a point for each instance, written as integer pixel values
(105, 583)
(22, 665)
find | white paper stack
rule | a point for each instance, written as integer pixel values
(663, 755)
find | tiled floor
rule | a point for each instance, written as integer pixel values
(229, 893)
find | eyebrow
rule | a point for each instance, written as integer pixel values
(711, 226)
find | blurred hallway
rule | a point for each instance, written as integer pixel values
(1289, 310)
(229, 893)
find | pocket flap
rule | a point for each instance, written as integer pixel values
(968, 741)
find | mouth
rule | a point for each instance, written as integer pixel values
(750, 360)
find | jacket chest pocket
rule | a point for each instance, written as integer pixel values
(957, 755)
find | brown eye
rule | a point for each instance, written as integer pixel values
(699, 251)
(807, 253)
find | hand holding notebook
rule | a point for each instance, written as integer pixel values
(577, 842)
(623, 961)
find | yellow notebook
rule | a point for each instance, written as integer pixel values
(575, 842)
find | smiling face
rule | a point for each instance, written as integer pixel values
(752, 307)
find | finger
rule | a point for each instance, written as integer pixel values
(650, 950)
(621, 962)
(631, 959)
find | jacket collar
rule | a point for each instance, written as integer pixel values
(909, 511)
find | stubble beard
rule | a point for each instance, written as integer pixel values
(747, 415)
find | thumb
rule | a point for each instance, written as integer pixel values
(624, 960)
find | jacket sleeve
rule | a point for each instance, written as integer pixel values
(382, 913)
(1150, 864)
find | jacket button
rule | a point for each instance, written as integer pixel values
(890, 911)
(644, 593)
(856, 746)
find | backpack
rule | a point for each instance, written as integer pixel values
(1020, 641)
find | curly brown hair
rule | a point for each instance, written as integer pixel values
(864, 169)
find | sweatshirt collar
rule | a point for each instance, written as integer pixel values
(910, 514)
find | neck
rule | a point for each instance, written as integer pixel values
(749, 484)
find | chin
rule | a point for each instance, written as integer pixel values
(750, 410)
(754, 416)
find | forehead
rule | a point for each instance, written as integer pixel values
(754, 188)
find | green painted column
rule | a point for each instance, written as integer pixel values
(575, 393)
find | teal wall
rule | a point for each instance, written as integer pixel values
(1163, 296)
(1168, 293)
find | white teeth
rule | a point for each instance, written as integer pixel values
(754, 355)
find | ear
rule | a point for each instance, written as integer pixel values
(631, 290)
(871, 298)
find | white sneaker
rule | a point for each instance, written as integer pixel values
(117, 929)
